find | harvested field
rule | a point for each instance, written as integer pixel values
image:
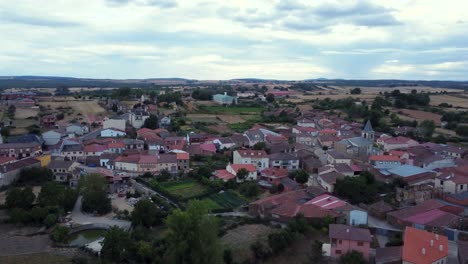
(418, 115)
(240, 239)
(90, 110)
(23, 113)
(457, 100)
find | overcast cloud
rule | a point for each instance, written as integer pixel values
(279, 39)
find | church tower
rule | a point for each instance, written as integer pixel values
(368, 132)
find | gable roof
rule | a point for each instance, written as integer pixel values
(248, 167)
(423, 247)
(346, 232)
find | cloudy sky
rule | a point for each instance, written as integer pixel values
(279, 39)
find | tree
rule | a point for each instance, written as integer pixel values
(462, 130)
(116, 245)
(260, 146)
(20, 198)
(270, 98)
(242, 174)
(427, 128)
(94, 190)
(227, 256)
(147, 214)
(280, 188)
(60, 234)
(151, 122)
(356, 90)
(316, 253)
(353, 257)
(279, 241)
(34, 175)
(260, 251)
(55, 194)
(193, 236)
(249, 189)
(5, 131)
(164, 175)
(301, 176)
(361, 189)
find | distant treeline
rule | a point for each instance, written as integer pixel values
(393, 83)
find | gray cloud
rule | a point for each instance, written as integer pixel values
(156, 3)
(36, 21)
(294, 15)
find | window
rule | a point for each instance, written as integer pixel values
(441, 182)
(338, 252)
(461, 187)
(339, 241)
(360, 244)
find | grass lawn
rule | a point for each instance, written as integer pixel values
(232, 110)
(211, 204)
(184, 189)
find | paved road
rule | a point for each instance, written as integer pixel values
(81, 218)
(148, 191)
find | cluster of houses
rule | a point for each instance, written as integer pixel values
(325, 146)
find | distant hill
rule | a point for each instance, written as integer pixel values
(54, 82)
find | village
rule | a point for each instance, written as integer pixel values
(257, 161)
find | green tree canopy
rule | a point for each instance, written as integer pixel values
(151, 122)
(301, 176)
(20, 198)
(147, 214)
(193, 236)
(93, 187)
(242, 174)
(117, 245)
(55, 194)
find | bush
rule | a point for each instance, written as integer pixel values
(60, 234)
(249, 189)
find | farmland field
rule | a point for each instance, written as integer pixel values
(232, 110)
(456, 100)
(211, 205)
(408, 114)
(227, 200)
(184, 189)
(23, 113)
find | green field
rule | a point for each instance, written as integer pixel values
(184, 189)
(232, 110)
(210, 204)
(226, 200)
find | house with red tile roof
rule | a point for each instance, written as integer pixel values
(384, 161)
(452, 180)
(137, 163)
(345, 238)
(95, 149)
(274, 175)
(431, 214)
(422, 247)
(400, 142)
(232, 169)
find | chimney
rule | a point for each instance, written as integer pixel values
(437, 236)
(347, 230)
(441, 247)
(225, 93)
(423, 251)
(432, 243)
